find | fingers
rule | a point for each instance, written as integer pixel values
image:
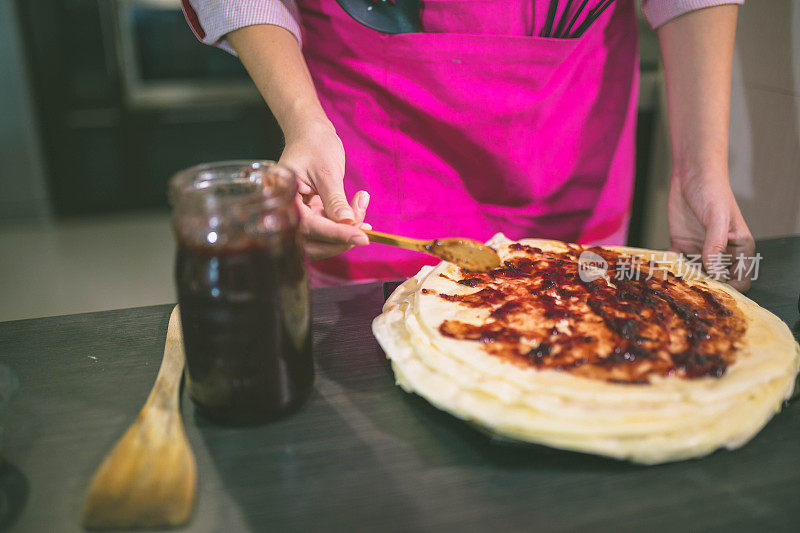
(728, 252)
(684, 246)
(742, 248)
(304, 188)
(324, 237)
(716, 241)
(324, 177)
(321, 250)
(743, 284)
(319, 228)
(705, 219)
(312, 206)
(359, 204)
(331, 190)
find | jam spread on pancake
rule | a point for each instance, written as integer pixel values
(615, 328)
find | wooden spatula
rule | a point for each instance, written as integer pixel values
(466, 253)
(149, 478)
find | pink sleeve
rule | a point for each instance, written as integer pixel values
(211, 20)
(659, 12)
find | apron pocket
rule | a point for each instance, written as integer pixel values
(487, 17)
(470, 117)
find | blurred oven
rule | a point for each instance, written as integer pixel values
(125, 95)
(159, 70)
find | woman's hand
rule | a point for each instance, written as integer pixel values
(329, 224)
(697, 52)
(273, 58)
(705, 219)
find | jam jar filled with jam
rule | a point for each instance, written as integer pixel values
(242, 289)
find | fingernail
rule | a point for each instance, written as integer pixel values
(365, 225)
(363, 200)
(359, 240)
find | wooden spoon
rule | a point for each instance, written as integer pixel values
(149, 478)
(465, 253)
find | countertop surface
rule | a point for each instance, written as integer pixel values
(361, 453)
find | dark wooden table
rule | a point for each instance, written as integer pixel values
(362, 454)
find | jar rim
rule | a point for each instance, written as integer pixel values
(221, 184)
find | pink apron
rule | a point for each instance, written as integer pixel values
(478, 125)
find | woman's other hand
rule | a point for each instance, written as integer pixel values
(697, 52)
(328, 222)
(704, 218)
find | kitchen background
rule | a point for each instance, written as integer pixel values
(102, 100)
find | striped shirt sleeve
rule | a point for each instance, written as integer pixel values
(211, 20)
(659, 12)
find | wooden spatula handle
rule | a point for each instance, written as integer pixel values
(166, 391)
(397, 240)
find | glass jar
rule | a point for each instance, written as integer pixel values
(242, 289)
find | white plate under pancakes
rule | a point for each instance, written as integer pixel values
(666, 419)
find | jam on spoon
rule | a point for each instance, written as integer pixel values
(465, 253)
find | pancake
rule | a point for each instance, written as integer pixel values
(544, 349)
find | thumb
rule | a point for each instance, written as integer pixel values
(331, 192)
(716, 241)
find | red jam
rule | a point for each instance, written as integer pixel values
(624, 330)
(242, 290)
(245, 325)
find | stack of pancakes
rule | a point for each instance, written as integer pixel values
(658, 368)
